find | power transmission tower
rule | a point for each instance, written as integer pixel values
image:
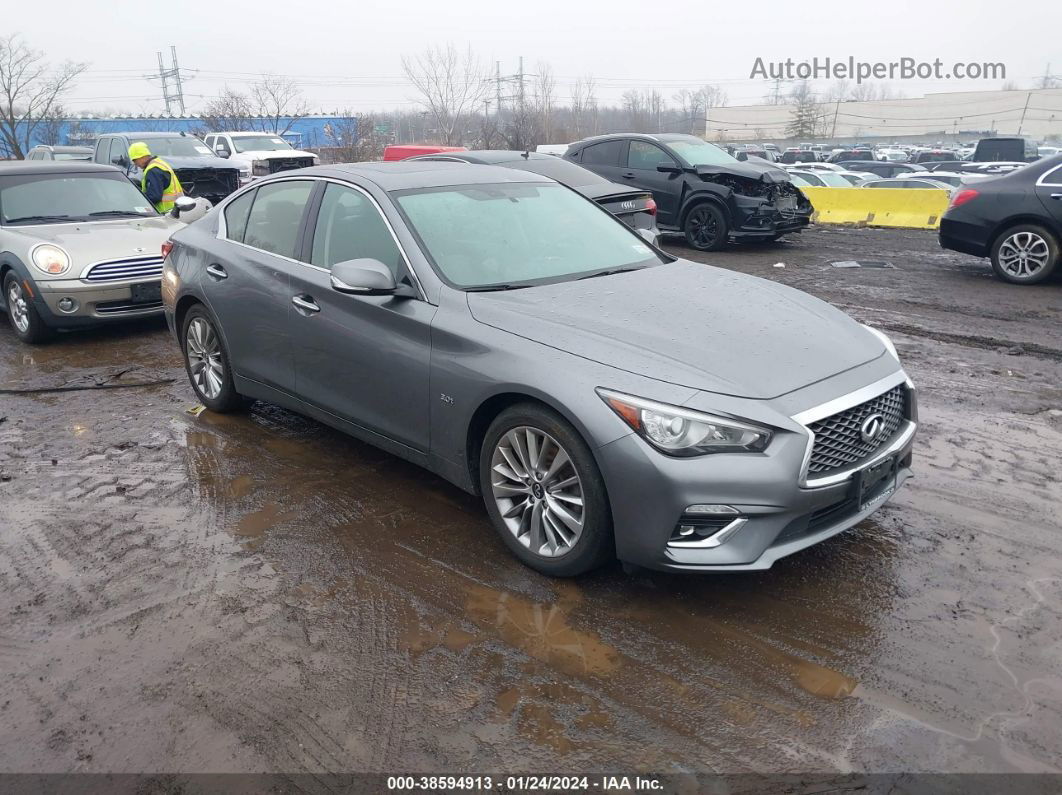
(174, 97)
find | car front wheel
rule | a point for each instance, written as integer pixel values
(705, 228)
(207, 362)
(23, 316)
(1026, 254)
(544, 493)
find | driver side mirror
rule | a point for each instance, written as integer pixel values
(366, 276)
(183, 204)
(120, 161)
(669, 168)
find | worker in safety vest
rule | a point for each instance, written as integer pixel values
(159, 183)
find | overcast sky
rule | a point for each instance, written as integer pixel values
(349, 56)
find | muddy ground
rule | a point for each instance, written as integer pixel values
(260, 593)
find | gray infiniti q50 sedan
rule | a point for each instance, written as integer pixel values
(505, 332)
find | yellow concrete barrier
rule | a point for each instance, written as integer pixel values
(908, 208)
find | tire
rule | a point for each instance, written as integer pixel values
(207, 362)
(705, 228)
(1025, 254)
(541, 524)
(23, 316)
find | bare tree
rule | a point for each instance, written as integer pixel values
(50, 129)
(450, 85)
(279, 103)
(544, 88)
(230, 111)
(30, 93)
(354, 139)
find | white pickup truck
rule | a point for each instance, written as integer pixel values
(263, 153)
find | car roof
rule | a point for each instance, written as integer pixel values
(12, 167)
(659, 137)
(156, 134)
(487, 156)
(407, 174)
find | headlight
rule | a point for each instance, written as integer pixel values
(50, 259)
(884, 341)
(260, 167)
(682, 432)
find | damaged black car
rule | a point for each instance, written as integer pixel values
(700, 190)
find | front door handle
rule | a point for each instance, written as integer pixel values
(628, 175)
(217, 271)
(1056, 195)
(305, 303)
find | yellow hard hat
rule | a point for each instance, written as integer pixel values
(138, 150)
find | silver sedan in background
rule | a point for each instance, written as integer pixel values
(494, 326)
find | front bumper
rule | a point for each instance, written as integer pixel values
(650, 493)
(755, 219)
(97, 303)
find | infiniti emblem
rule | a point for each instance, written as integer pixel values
(871, 427)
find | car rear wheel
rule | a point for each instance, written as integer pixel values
(705, 228)
(544, 493)
(207, 362)
(1026, 254)
(23, 316)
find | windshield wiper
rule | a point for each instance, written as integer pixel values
(490, 288)
(117, 213)
(40, 218)
(607, 273)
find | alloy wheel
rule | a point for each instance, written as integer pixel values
(538, 492)
(203, 349)
(703, 227)
(18, 307)
(1024, 254)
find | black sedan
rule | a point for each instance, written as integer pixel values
(1015, 219)
(634, 207)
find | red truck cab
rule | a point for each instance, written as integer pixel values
(402, 151)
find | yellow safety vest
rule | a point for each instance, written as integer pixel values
(172, 191)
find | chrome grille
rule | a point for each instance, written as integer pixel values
(121, 270)
(838, 442)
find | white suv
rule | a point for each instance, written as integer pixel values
(262, 153)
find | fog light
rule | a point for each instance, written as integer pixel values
(68, 305)
(686, 530)
(713, 510)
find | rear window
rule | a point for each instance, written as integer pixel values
(561, 170)
(602, 154)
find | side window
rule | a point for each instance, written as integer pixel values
(236, 216)
(103, 147)
(603, 154)
(35, 154)
(1052, 177)
(647, 156)
(350, 227)
(273, 223)
(209, 141)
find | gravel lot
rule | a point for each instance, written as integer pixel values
(260, 593)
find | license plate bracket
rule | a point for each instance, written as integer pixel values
(146, 292)
(876, 483)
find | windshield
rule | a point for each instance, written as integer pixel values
(700, 153)
(177, 146)
(72, 155)
(259, 143)
(833, 180)
(518, 234)
(58, 198)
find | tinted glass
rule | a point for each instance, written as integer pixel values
(603, 154)
(487, 235)
(646, 156)
(700, 153)
(273, 223)
(832, 180)
(350, 227)
(236, 216)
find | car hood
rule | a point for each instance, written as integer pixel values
(199, 162)
(688, 324)
(765, 172)
(96, 240)
(273, 154)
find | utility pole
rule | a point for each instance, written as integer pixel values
(1028, 96)
(497, 90)
(176, 96)
(520, 77)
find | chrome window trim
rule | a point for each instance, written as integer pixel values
(223, 226)
(831, 407)
(1042, 181)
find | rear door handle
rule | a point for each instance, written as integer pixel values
(305, 303)
(628, 175)
(217, 271)
(1056, 195)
